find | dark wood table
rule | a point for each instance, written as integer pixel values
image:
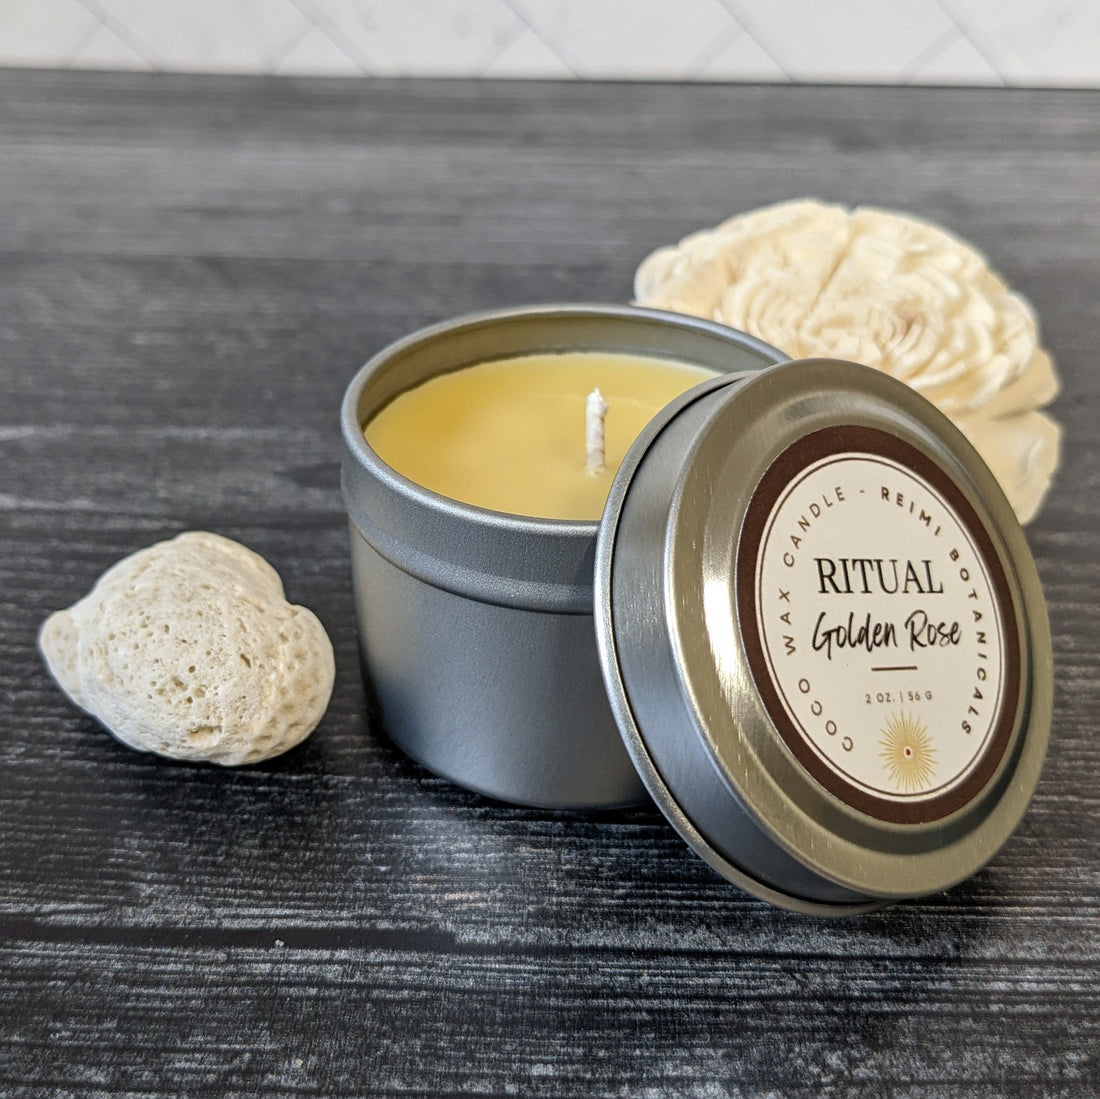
(191, 269)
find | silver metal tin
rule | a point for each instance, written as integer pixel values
(692, 573)
(476, 627)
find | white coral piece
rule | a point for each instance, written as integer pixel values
(890, 291)
(189, 649)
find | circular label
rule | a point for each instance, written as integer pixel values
(876, 615)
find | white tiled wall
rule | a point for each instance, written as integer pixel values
(1033, 42)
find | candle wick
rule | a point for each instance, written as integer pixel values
(595, 412)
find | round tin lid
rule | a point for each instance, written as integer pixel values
(823, 636)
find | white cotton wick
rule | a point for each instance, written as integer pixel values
(595, 412)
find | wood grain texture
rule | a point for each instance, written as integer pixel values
(191, 269)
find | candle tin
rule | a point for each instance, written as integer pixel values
(808, 623)
(476, 627)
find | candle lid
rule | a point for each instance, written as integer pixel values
(823, 637)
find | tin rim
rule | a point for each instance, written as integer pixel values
(490, 559)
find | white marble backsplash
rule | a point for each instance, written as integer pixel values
(1011, 42)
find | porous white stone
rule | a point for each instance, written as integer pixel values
(189, 649)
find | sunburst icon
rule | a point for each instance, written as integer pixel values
(907, 752)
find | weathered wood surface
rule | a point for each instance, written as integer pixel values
(190, 271)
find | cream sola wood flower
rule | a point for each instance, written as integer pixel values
(890, 291)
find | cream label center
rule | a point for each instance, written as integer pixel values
(877, 625)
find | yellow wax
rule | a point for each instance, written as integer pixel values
(509, 434)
